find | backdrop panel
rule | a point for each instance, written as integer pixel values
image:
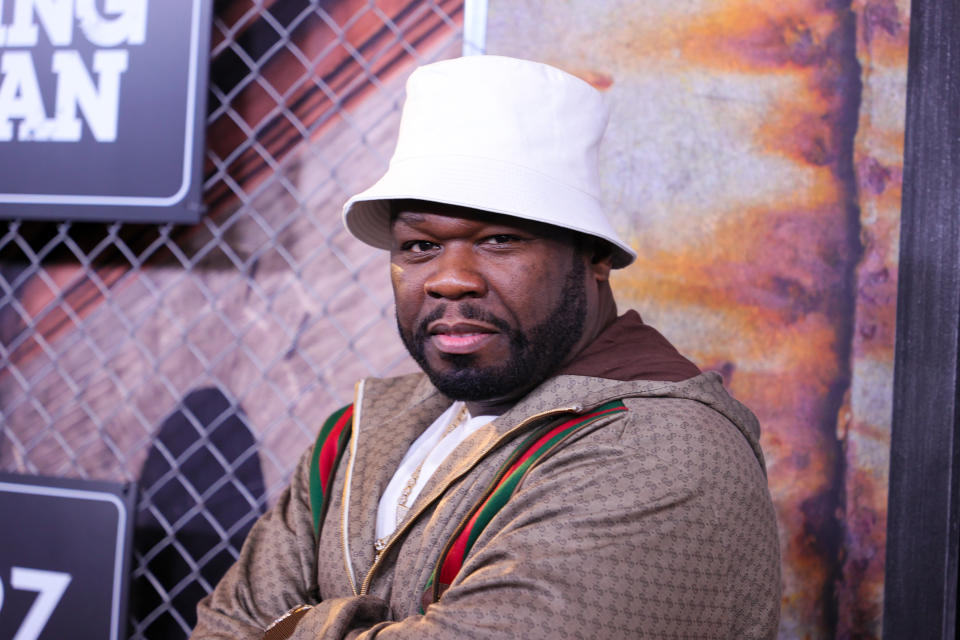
(755, 163)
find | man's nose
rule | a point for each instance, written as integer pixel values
(456, 275)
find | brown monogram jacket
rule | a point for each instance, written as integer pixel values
(652, 523)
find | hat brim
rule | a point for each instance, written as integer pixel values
(465, 181)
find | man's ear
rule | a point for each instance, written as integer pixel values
(601, 260)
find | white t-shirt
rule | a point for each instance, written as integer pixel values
(433, 445)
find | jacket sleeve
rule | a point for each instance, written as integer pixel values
(667, 534)
(274, 572)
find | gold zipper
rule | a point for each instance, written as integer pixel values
(410, 519)
(357, 399)
(343, 532)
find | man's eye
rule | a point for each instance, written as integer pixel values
(419, 246)
(501, 238)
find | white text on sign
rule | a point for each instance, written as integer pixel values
(94, 93)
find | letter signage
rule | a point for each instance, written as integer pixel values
(64, 558)
(102, 105)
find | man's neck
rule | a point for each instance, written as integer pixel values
(494, 407)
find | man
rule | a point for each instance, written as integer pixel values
(557, 470)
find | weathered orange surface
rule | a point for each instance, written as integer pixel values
(864, 424)
(746, 162)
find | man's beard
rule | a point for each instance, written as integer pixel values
(534, 355)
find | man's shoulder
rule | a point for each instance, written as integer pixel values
(698, 408)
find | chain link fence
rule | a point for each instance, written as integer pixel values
(200, 360)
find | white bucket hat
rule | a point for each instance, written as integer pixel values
(497, 134)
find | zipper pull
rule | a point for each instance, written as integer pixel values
(380, 544)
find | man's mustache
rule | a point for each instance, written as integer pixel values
(467, 311)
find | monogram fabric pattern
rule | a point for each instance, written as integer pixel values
(655, 522)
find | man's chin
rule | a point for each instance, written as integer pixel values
(469, 383)
(486, 363)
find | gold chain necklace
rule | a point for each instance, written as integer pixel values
(402, 507)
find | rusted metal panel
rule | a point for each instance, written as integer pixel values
(754, 161)
(864, 422)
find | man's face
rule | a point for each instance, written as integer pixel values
(488, 305)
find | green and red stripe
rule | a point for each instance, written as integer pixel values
(331, 443)
(511, 473)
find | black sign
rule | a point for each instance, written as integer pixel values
(64, 549)
(102, 105)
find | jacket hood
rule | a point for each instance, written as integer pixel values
(630, 349)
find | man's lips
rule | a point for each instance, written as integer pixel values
(460, 337)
